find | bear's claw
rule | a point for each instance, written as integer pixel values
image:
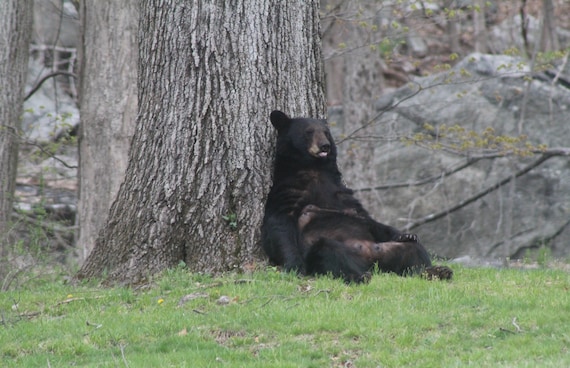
(407, 238)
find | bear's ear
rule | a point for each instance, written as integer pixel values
(279, 119)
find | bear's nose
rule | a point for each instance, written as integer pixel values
(325, 147)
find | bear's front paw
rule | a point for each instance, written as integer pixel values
(407, 238)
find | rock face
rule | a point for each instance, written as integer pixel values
(481, 91)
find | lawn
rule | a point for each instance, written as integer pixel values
(484, 317)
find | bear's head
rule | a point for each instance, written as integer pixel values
(304, 140)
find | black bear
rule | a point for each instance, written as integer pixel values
(313, 224)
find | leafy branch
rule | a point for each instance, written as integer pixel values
(460, 141)
(451, 78)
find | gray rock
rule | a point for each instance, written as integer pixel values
(481, 91)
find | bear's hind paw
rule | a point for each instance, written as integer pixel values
(358, 279)
(438, 273)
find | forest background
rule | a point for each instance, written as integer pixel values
(451, 119)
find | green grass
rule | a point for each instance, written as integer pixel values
(484, 317)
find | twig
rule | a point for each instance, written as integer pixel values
(326, 291)
(123, 354)
(47, 226)
(473, 198)
(445, 173)
(41, 148)
(472, 157)
(536, 243)
(50, 154)
(30, 315)
(505, 330)
(267, 302)
(378, 115)
(516, 325)
(96, 325)
(561, 68)
(11, 276)
(420, 88)
(45, 78)
(68, 300)
(555, 80)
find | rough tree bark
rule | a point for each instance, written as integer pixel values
(108, 105)
(210, 72)
(15, 35)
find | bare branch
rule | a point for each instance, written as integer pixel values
(537, 243)
(46, 77)
(375, 117)
(473, 198)
(415, 117)
(50, 154)
(444, 174)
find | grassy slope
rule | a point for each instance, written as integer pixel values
(485, 317)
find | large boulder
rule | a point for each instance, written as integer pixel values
(481, 91)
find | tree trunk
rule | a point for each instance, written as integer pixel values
(210, 73)
(479, 25)
(15, 35)
(453, 28)
(108, 105)
(549, 37)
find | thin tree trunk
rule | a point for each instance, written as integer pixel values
(480, 26)
(549, 37)
(15, 35)
(108, 105)
(453, 34)
(199, 167)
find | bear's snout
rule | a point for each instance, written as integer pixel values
(321, 146)
(324, 150)
(326, 147)
(320, 150)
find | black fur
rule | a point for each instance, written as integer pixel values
(313, 224)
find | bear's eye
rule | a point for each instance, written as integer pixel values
(309, 131)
